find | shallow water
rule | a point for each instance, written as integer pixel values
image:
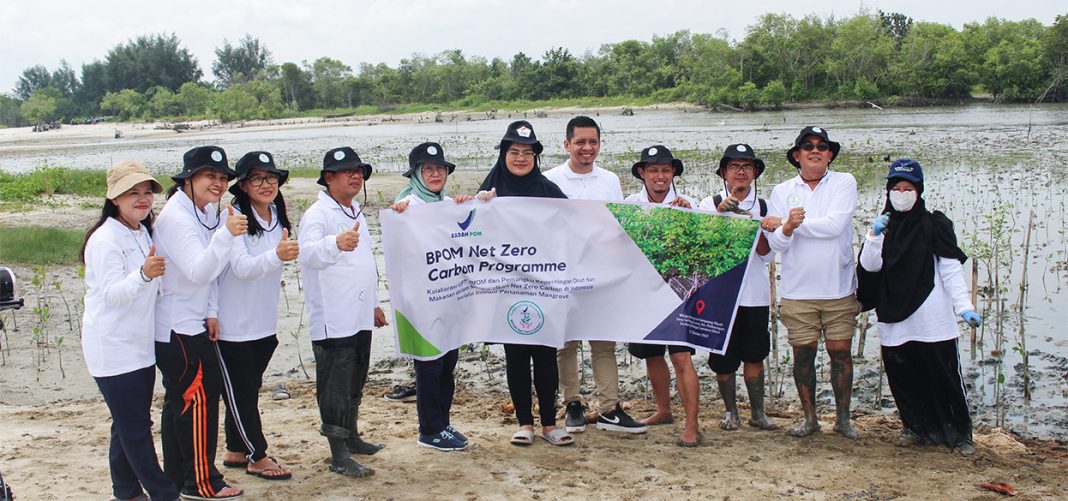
(982, 163)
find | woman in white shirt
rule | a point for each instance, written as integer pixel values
(249, 290)
(117, 330)
(910, 272)
(187, 320)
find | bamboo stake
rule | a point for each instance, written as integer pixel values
(774, 315)
(975, 297)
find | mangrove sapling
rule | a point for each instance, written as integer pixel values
(296, 340)
(57, 283)
(59, 349)
(1021, 341)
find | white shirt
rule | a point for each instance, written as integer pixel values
(195, 258)
(936, 319)
(250, 286)
(117, 327)
(643, 197)
(756, 291)
(340, 288)
(817, 260)
(599, 184)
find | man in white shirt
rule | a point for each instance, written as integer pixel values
(581, 178)
(340, 291)
(750, 341)
(818, 281)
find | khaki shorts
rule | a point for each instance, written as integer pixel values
(807, 319)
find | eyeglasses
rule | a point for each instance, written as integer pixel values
(350, 172)
(434, 169)
(258, 181)
(815, 146)
(525, 154)
(740, 167)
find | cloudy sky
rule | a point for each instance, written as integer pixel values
(46, 31)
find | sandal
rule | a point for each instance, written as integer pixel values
(240, 463)
(280, 392)
(558, 437)
(234, 493)
(271, 473)
(523, 437)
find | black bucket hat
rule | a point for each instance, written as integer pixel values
(812, 131)
(520, 132)
(343, 158)
(657, 154)
(204, 157)
(427, 153)
(740, 152)
(257, 160)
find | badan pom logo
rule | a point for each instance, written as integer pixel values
(466, 223)
(525, 318)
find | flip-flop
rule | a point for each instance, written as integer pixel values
(558, 437)
(277, 467)
(667, 420)
(236, 464)
(523, 437)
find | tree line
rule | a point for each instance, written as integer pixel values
(886, 57)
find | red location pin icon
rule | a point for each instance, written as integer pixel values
(700, 306)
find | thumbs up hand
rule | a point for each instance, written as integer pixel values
(154, 265)
(287, 249)
(237, 225)
(348, 240)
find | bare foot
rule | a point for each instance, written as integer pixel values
(689, 438)
(233, 459)
(658, 418)
(763, 422)
(805, 429)
(269, 469)
(845, 428)
(229, 492)
(730, 422)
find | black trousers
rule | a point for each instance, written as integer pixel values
(132, 457)
(190, 422)
(341, 366)
(435, 385)
(243, 364)
(518, 359)
(927, 387)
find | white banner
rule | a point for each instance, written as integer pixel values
(547, 271)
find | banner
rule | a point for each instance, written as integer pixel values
(547, 271)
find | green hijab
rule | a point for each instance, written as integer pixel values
(417, 187)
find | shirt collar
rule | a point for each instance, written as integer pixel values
(570, 174)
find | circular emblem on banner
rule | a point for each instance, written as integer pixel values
(817, 130)
(339, 155)
(794, 200)
(215, 155)
(525, 318)
(264, 158)
(431, 150)
(741, 148)
(652, 151)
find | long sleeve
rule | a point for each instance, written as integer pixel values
(196, 263)
(871, 253)
(839, 217)
(119, 288)
(318, 248)
(248, 267)
(952, 273)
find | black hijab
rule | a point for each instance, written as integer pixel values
(534, 184)
(913, 239)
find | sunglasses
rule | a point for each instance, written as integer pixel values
(814, 146)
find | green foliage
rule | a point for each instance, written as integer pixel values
(52, 180)
(39, 107)
(682, 243)
(149, 61)
(36, 245)
(125, 104)
(241, 63)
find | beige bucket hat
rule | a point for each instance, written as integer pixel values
(126, 174)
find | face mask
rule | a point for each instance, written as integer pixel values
(902, 201)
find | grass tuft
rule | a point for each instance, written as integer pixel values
(38, 245)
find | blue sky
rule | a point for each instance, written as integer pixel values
(37, 32)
